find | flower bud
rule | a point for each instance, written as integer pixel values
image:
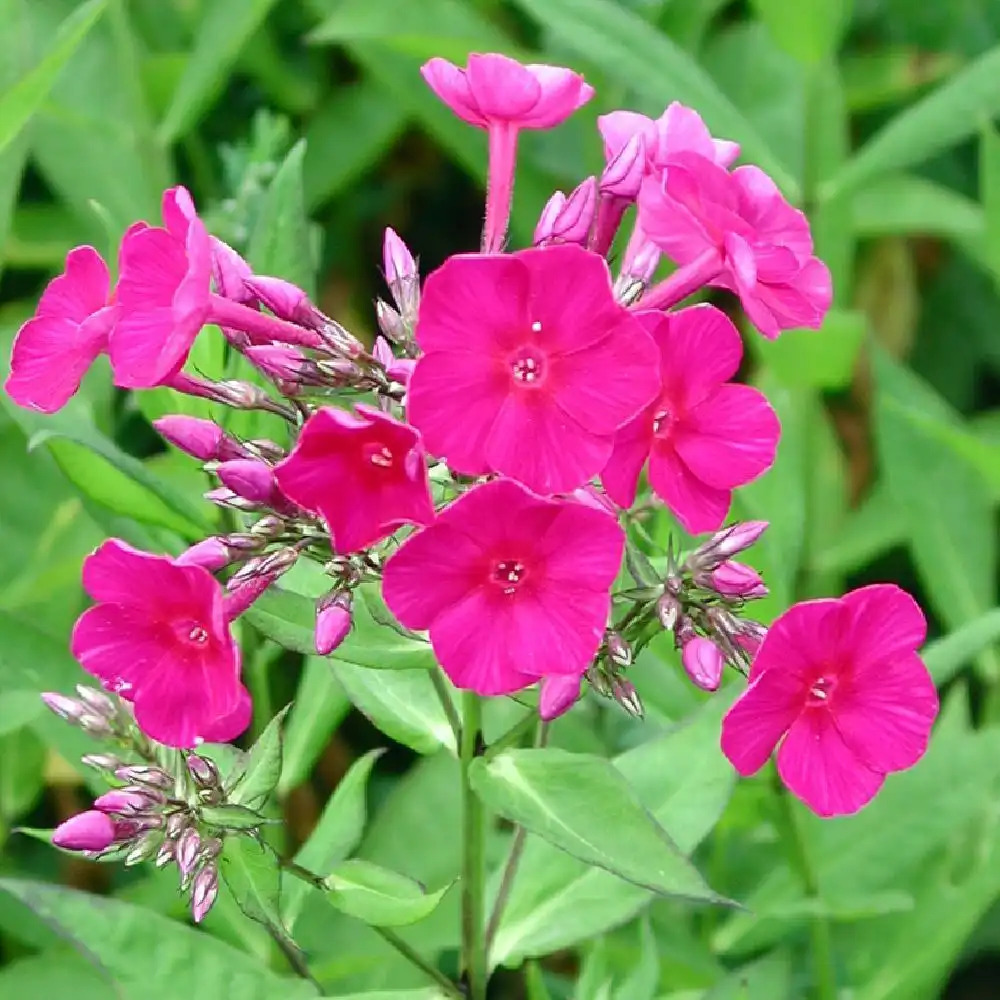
(66, 708)
(703, 661)
(177, 823)
(95, 725)
(625, 694)
(224, 497)
(87, 831)
(203, 771)
(202, 439)
(280, 362)
(401, 276)
(749, 636)
(144, 774)
(726, 543)
(229, 272)
(97, 701)
(165, 854)
(733, 579)
(241, 396)
(102, 762)
(210, 849)
(210, 553)
(126, 800)
(186, 850)
(668, 610)
(333, 621)
(270, 526)
(619, 651)
(640, 266)
(341, 341)
(251, 479)
(144, 848)
(285, 300)
(568, 219)
(623, 174)
(204, 892)
(390, 322)
(557, 694)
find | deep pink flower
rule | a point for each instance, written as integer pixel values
(364, 473)
(530, 366)
(87, 831)
(704, 435)
(53, 350)
(164, 645)
(839, 685)
(737, 231)
(499, 94)
(512, 587)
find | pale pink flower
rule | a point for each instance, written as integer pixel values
(365, 473)
(557, 694)
(734, 230)
(839, 685)
(499, 94)
(87, 831)
(530, 366)
(164, 645)
(704, 436)
(511, 586)
(53, 350)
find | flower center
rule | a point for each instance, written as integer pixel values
(821, 691)
(527, 364)
(198, 635)
(663, 422)
(377, 454)
(508, 575)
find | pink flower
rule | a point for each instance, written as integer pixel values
(503, 96)
(53, 350)
(365, 474)
(512, 587)
(164, 645)
(87, 831)
(530, 366)
(704, 436)
(839, 685)
(737, 231)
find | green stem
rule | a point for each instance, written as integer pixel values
(819, 926)
(444, 695)
(473, 861)
(513, 735)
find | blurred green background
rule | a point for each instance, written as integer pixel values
(876, 116)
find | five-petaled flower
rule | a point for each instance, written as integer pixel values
(839, 684)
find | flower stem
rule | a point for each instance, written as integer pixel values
(683, 282)
(801, 860)
(444, 695)
(512, 735)
(237, 316)
(473, 860)
(499, 185)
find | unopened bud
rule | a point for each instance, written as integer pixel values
(97, 701)
(703, 661)
(568, 219)
(202, 439)
(203, 771)
(557, 695)
(66, 708)
(390, 322)
(186, 850)
(250, 479)
(87, 831)
(280, 362)
(726, 543)
(222, 496)
(145, 847)
(165, 854)
(341, 341)
(285, 300)
(267, 450)
(625, 694)
(102, 762)
(143, 774)
(210, 553)
(734, 579)
(401, 275)
(241, 395)
(210, 849)
(229, 271)
(640, 261)
(668, 610)
(749, 636)
(176, 824)
(95, 725)
(204, 892)
(127, 801)
(333, 621)
(619, 651)
(623, 174)
(268, 527)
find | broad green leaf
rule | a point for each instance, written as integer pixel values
(642, 980)
(765, 979)
(904, 204)
(621, 44)
(989, 192)
(869, 530)
(557, 900)
(338, 832)
(20, 101)
(953, 112)
(22, 774)
(584, 806)
(230, 816)
(431, 993)
(280, 243)
(378, 896)
(946, 656)
(810, 30)
(258, 777)
(402, 703)
(225, 28)
(17, 709)
(320, 705)
(942, 499)
(891, 74)
(53, 974)
(349, 133)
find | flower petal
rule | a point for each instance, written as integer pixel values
(698, 506)
(620, 475)
(883, 620)
(761, 715)
(801, 639)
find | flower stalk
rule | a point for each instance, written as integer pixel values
(473, 859)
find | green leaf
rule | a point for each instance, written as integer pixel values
(765, 979)
(280, 243)
(989, 191)
(946, 656)
(891, 74)
(20, 101)
(808, 29)
(320, 705)
(55, 974)
(557, 900)
(378, 896)
(621, 44)
(349, 133)
(261, 769)
(584, 806)
(903, 204)
(642, 980)
(148, 955)
(953, 112)
(233, 817)
(942, 499)
(225, 28)
(338, 832)
(22, 774)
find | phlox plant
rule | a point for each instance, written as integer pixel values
(474, 488)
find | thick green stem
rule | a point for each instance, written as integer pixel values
(801, 861)
(444, 696)
(473, 860)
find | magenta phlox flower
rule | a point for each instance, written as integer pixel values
(159, 636)
(530, 366)
(53, 350)
(704, 436)
(512, 587)
(365, 473)
(839, 685)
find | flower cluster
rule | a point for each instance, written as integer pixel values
(483, 459)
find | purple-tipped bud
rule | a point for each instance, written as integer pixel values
(222, 496)
(625, 694)
(285, 300)
(341, 340)
(749, 636)
(668, 610)
(230, 271)
(390, 322)
(397, 261)
(144, 848)
(734, 579)
(87, 831)
(640, 266)
(280, 362)
(66, 708)
(202, 439)
(209, 553)
(210, 849)
(187, 849)
(333, 622)
(572, 222)
(250, 479)
(102, 762)
(256, 576)
(204, 892)
(203, 771)
(727, 543)
(623, 175)
(703, 661)
(125, 801)
(619, 651)
(143, 774)
(97, 701)
(270, 526)
(165, 854)
(241, 396)
(557, 695)
(177, 823)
